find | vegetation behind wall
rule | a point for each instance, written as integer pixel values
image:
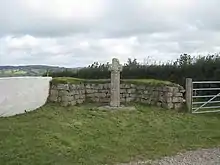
(198, 68)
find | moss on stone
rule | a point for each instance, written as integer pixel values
(152, 82)
(70, 80)
(66, 80)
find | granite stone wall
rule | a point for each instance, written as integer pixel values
(167, 96)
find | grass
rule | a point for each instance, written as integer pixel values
(70, 80)
(147, 82)
(79, 135)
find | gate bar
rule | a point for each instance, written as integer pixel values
(206, 82)
(207, 102)
(194, 103)
(203, 96)
(202, 89)
(213, 107)
(206, 111)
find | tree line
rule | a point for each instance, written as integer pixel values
(198, 68)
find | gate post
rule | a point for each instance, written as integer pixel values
(189, 90)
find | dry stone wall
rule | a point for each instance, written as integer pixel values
(170, 97)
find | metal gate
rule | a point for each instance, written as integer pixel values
(202, 101)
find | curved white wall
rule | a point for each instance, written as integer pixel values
(18, 94)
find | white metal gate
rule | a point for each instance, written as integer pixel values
(201, 102)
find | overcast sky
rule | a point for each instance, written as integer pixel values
(76, 33)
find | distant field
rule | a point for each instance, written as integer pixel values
(29, 70)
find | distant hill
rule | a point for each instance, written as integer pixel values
(30, 70)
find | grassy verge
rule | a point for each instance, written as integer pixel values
(78, 135)
(130, 81)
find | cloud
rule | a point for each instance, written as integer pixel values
(77, 33)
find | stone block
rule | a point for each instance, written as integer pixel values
(72, 102)
(155, 94)
(131, 90)
(138, 99)
(175, 89)
(53, 87)
(123, 91)
(168, 94)
(72, 86)
(77, 97)
(104, 100)
(76, 86)
(159, 104)
(159, 89)
(146, 92)
(95, 91)
(102, 95)
(125, 95)
(140, 91)
(169, 99)
(67, 98)
(90, 95)
(96, 95)
(88, 86)
(65, 103)
(178, 94)
(144, 96)
(133, 86)
(129, 99)
(177, 106)
(167, 89)
(82, 96)
(76, 92)
(108, 95)
(72, 93)
(89, 91)
(81, 91)
(122, 86)
(59, 99)
(53, 98)
(168, 105)
(141, 87)
(125, 86)
(63, 93)
(161, 98)
(182, 90)
(96, 99)
(53, 92)
(132, 95)
(177, 100)
(100, 86)
(107, 92)
(63, 87)
(123, 100)
(153, 102)
(106, 86)
(144, 101)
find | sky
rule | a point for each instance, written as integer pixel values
(76, 33)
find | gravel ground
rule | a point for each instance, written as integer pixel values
(199, 157)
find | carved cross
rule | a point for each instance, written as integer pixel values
(115, 69)
(115, 66)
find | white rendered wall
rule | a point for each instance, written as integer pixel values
(18, 94)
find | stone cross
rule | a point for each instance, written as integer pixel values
(115, 69)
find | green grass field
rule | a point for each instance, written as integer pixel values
(55, 135)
